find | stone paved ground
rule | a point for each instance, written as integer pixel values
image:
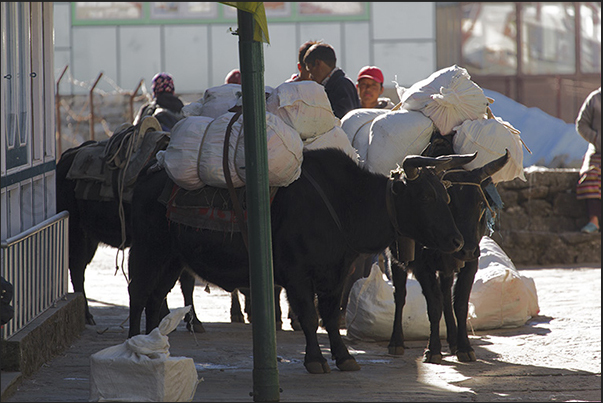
(556, 356)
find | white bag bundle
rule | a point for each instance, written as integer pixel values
(357, 125)
(218, 100)
(448, 97)
(501, 296)
(371, 309)
(285, 152)
(334, 138)
(142, 370)
(304, 106)
(180, 157)
(490, 138)
(395, 135)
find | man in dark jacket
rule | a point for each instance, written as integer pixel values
(321, 63)
(165, 105)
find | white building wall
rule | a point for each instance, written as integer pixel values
(399, 38)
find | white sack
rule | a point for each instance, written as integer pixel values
(357, 125)
(142, 370)
(304, 106)
(448, 97)
(501, 296)
(218, 100)
(180, 156)
(334, 138)
(395, 135)
(371, 309)
(285, 152)
(490, 138)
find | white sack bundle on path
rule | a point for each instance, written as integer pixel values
(142, 370)
(501, 297)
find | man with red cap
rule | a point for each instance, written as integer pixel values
(370, 88)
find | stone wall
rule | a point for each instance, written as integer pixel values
(541, 220)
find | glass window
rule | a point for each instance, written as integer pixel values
(590, 32)
(184, 10)
(548, 38)
(273, 10)
(108, 10)
(489, 32)
(331, 8)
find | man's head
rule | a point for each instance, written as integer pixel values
(162, 82)
(301, 66)
(370, 86)
(320, 60)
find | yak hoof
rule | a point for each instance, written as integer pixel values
(396, 350)
(429, 357)
(315, 367)
(90, 320)
(466, 356)
(349, 365)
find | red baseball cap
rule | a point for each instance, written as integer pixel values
(372, 72)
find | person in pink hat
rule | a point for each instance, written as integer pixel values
(165, 105)
(370, 88)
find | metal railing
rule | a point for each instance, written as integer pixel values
(35, 262)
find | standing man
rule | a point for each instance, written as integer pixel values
(588, 125)
(321, 63)
(370, 88)
(302, 74)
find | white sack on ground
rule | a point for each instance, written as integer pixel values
(490, 138)
(357, 125)
(142, 370)
(371, 308)
(501, 297)
(180, 157)
(285, 152)
(448, 97)
(334, 138)
(304, 106)
(395, 135)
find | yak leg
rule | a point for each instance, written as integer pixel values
(277, 305)
(399, 277)
(236, 314)
(158, 297)
(433, 296)
(330, 311)
(462, 291)
(301, 300)
(446, 282)
(142, 263)
(187, 285)
(81, 252)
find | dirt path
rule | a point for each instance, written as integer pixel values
(556, 356)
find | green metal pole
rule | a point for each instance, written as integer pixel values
(265, 370)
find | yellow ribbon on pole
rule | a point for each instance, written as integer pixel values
(259, 15)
